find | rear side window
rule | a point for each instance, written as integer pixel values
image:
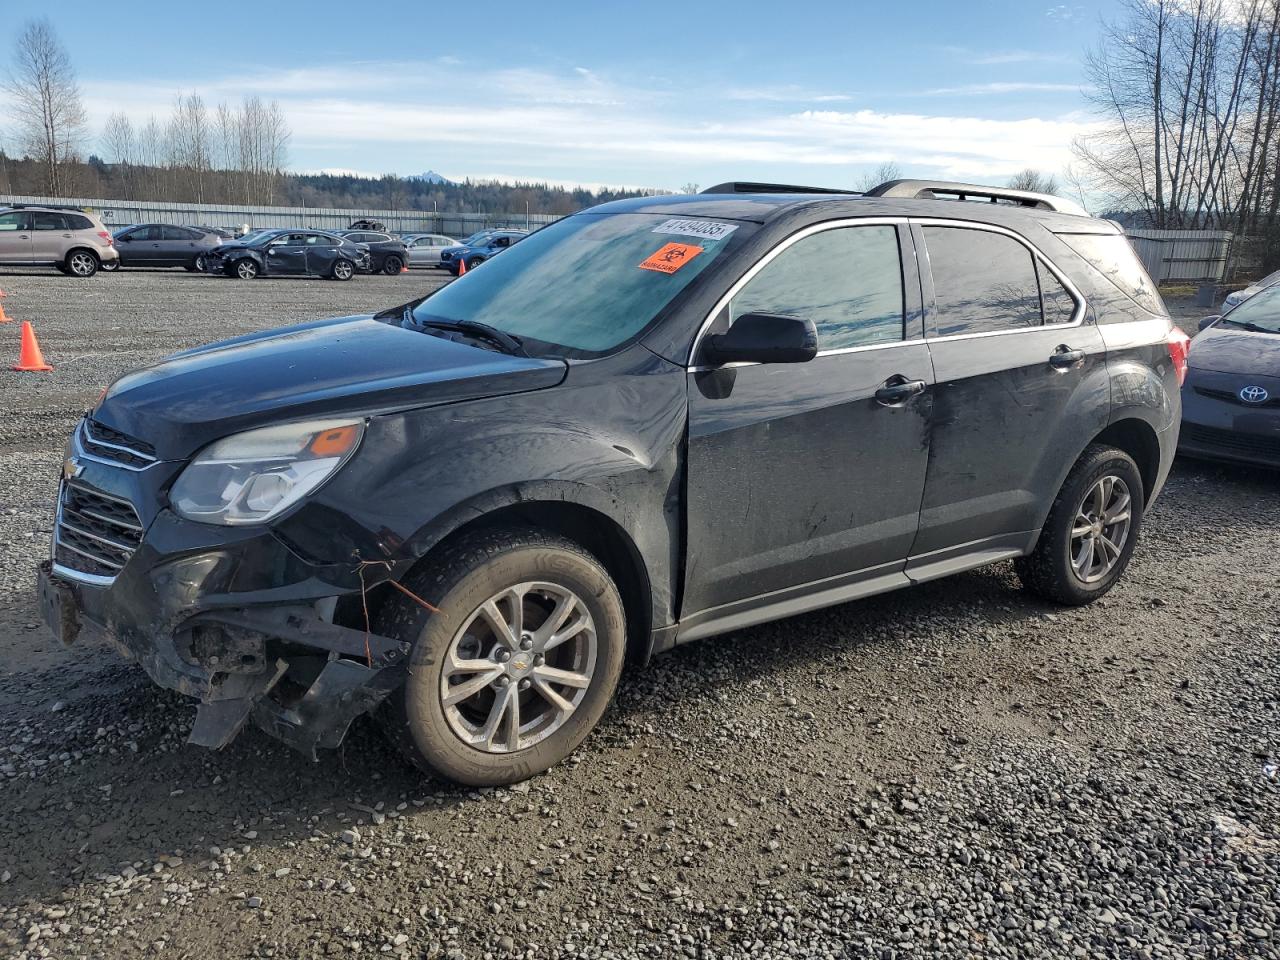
(1113, 257)
(983, 282)
(48, 221)
(1059, 305)
(848, 281)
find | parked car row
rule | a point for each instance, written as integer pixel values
(76, 241)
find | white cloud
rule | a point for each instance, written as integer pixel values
(1016, 86)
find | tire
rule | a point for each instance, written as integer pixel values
(1077, 558)
(448, 740)
(109, 266)
(342, 269)
(197, 265)
(391, 266)
(475, 262)
(245, 269)
(82, 263)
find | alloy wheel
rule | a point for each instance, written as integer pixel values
(246, 270)
(82, 264)
(1101, 529)
(342, 270)
(519, 667)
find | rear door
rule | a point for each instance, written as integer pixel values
(177, 246)
(15, 237)
(799, 478)
(50, 236)
(1021, 386)
(322, 250)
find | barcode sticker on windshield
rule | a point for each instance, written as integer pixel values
(703, 229)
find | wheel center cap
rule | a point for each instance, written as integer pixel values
(1097, 528)
(520, 666)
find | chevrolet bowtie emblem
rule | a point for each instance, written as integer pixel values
(71, 468)
(520, 664)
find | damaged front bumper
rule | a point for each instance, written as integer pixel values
(276, 660)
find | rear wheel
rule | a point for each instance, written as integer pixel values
(518, 665)
(245, 269)
(392, 265)
(1091, 530)
(342, 270)
(82, 263)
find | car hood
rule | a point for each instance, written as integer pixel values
(1226, 350)
(347, 366)
(232, 247)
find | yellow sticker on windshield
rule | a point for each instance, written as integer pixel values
(671, 257)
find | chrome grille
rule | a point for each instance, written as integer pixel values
(96, 534)
(104, 443)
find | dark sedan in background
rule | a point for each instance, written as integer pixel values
(387, 254)
(289, 252)
(1231, 399)
(478, 248)
(164, 245)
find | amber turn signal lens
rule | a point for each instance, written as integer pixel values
(334, 443)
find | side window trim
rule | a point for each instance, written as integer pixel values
(912, 308)
(930, 299)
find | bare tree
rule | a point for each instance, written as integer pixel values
(882, 174)
(46, 102)
(1035, 181)
(121, 148)
(190, 141)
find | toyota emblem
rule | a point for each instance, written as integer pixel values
(1254, 394)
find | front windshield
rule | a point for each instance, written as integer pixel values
(1260, 312)
(584, 284)
(249, 239)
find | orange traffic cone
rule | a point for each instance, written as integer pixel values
(30, 359)
(3, 318)
(404, 266)
(462, 266)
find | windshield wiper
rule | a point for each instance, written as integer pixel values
(471, 328)
(1246, 325)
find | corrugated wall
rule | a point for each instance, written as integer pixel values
(121, 212)
(1187, 256)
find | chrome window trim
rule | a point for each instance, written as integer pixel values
(1077, 319)
(766, 259)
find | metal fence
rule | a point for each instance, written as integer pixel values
(121, 212)
(1183, 256)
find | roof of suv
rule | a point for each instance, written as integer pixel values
(734, 201)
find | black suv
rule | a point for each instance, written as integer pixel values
(657, 420)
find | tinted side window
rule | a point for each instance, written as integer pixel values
(175, 233)
(145, 233)
(848, 281)
(13, 221)
(48, 221)
(320, 240)
(1113, 257)
(77, 222)
(982, 281)
(1059, 305)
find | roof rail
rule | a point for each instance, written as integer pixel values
(42, 206)
(746, 186)
(946, 189)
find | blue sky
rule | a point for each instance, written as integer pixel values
(655, 95)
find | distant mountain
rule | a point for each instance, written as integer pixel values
(431, 177)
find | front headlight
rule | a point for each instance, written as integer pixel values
(254, 476)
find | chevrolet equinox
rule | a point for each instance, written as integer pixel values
(650, 422)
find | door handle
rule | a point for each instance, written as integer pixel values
(1064, 358)
(898, 390)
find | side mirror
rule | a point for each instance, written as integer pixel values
(764, 338)
(1209, 321)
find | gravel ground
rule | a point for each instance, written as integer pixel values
(956, 770)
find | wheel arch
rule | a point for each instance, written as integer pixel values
(590, 526)
(1139, 440)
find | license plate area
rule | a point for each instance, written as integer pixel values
(58, 606)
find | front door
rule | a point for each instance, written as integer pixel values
(1021, 387)
(807, 477)
(287, 255)
(15, 237)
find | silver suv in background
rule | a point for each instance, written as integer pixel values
(68, 238)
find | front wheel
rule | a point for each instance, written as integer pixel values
(392, 265)
(342, 270)
(1091, 530)
(246, 269)
(109, 265)
(518, 665)
(197, 265)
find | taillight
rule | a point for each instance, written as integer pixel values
(1179, 347)
(107, 237)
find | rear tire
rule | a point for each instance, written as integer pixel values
(81, 263)
(391, 266)
(342, 270)
(1091, 530)
(456, 649)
